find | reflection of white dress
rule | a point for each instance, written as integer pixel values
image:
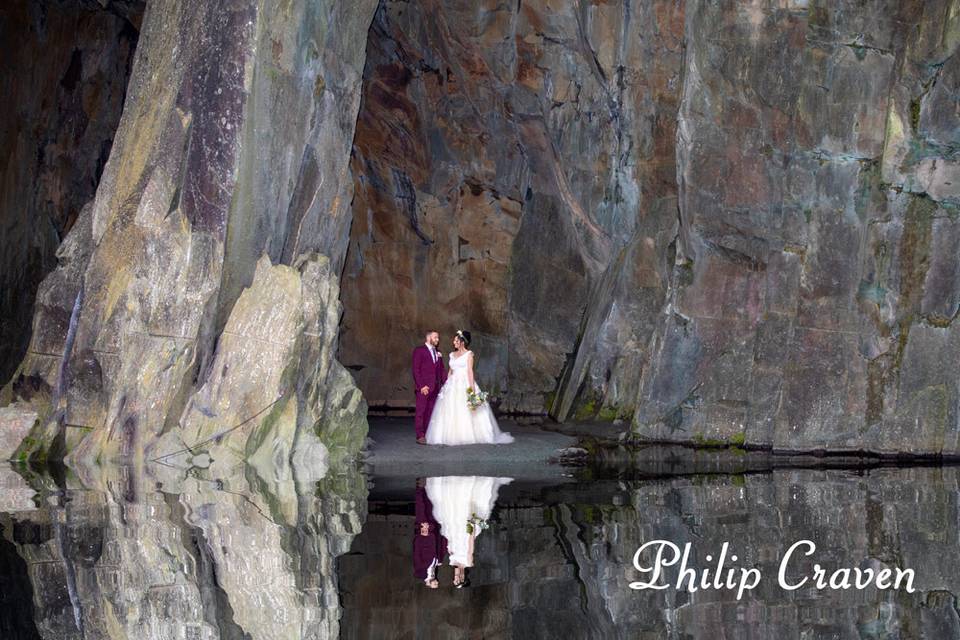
(453, 421)
(457, 499)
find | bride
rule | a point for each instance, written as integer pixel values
(452, 420)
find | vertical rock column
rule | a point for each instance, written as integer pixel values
(232, 151)
(611, 353)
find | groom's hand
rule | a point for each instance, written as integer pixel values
(425, 390)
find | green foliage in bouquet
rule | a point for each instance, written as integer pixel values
(475, 399)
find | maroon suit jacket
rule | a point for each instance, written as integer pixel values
(426, 372)
(430, 547)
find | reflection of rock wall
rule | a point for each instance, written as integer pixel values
(506, 154)
(522, 585)
(216, 559)
(64, 76)
(233, 145)
(560, 565)
(878, 520)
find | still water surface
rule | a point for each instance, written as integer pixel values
(117, 553)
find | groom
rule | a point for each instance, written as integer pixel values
(428, 376)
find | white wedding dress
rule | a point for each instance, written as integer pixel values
(456, 500)
(453, 421)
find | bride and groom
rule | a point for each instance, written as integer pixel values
(450, 408)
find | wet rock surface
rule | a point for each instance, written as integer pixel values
(393, 451)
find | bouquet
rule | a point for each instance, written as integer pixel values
(475, 398)
(476, 524)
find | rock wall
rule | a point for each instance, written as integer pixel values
(503, 156)
(719, 222)
(229, 171)
(816, 279)
(64, 77)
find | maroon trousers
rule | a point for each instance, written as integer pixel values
(421, 419)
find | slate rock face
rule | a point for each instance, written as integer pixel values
(233, 146)
(508, 158)
(256, 402)
(812, 301)
(17, 422)
(719, 222)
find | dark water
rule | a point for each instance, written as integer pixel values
(122, 553)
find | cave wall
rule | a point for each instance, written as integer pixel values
(719, 222)
(505, 156)
(64, 75)
(816, 281)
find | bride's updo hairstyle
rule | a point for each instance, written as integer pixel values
(464, 337)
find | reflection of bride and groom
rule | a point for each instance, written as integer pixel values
(451, 511)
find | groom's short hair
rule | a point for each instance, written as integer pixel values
(427, 334)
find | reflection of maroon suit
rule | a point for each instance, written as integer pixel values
(426, 373)
(430, 547)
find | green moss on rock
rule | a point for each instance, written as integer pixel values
(736, 441)
(608, 414)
